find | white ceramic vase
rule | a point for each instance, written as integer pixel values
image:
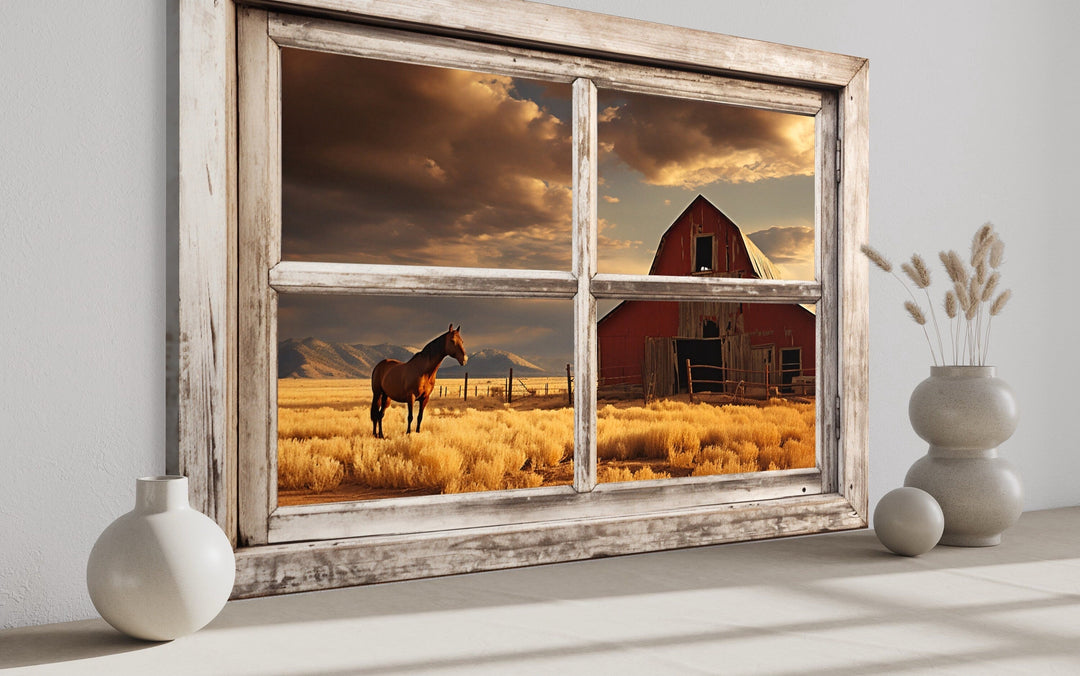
(162, 570)
(965, 412)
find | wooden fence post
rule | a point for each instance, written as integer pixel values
(466, 386)
(569, 387)
(510, 387)
(689, 380)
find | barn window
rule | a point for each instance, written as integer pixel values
(536, 213)
(704, 254)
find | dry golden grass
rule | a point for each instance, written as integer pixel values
(709, 439)
(458, 450)
(300, 465)
(609, 474)
(324, 438)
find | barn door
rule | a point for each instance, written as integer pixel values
(659, 377)
(761, 363)
(790, 366)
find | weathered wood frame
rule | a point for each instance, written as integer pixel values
(415, 537)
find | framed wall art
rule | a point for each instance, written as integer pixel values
(475, 285)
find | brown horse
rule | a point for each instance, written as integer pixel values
(412, 380)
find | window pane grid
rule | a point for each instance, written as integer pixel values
(580, 283)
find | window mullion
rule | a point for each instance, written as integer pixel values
(731, 289)
(259, 206)
(358, 278)
(828, 331)
(584, 267)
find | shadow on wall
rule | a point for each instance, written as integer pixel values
(172, 236)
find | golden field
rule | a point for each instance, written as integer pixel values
(326, 450)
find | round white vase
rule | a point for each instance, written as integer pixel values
(163, 570)
(965, 412)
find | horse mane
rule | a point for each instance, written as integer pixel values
(433, 348)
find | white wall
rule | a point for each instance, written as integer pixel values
(970, 121)
(82, 287)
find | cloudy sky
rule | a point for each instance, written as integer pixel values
(404, 164)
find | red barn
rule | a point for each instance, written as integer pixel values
(649, 342)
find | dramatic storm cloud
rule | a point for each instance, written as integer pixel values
(658, 153)
(689, 144)
(791, 248)
(394, 163)
(785, 245)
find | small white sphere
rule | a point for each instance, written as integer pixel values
(908, 521)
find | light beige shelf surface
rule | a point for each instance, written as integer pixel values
(826, 604)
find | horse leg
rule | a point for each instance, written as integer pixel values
(408, 428)
(376, 415)
(420, 417)
(383, 404)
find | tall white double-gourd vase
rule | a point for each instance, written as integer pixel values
(966, 412)
(163, 570)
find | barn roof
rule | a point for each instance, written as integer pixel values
(763, 267)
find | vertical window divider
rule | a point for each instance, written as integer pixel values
(259, 210)
(584, 267)
(827, 273)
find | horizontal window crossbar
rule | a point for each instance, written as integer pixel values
(558, 29)
(472, 510)
(358, 278)
(355, 278)
(656, 287)
(384, 43)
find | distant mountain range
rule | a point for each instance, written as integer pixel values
(491, 363)
(314, 358)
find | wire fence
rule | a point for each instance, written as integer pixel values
(509, 388)
(699, 379)
(750, 384)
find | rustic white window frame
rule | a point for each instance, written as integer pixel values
(230, 273)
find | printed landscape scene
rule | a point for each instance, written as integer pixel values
(392, 163)
(326, 450)
(509, 423)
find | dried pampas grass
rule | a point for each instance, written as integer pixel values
(876, 258)
(991, 286)
(968, 305)
(950, 304)
(997, 253)
(999, 302)
(916, 312)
